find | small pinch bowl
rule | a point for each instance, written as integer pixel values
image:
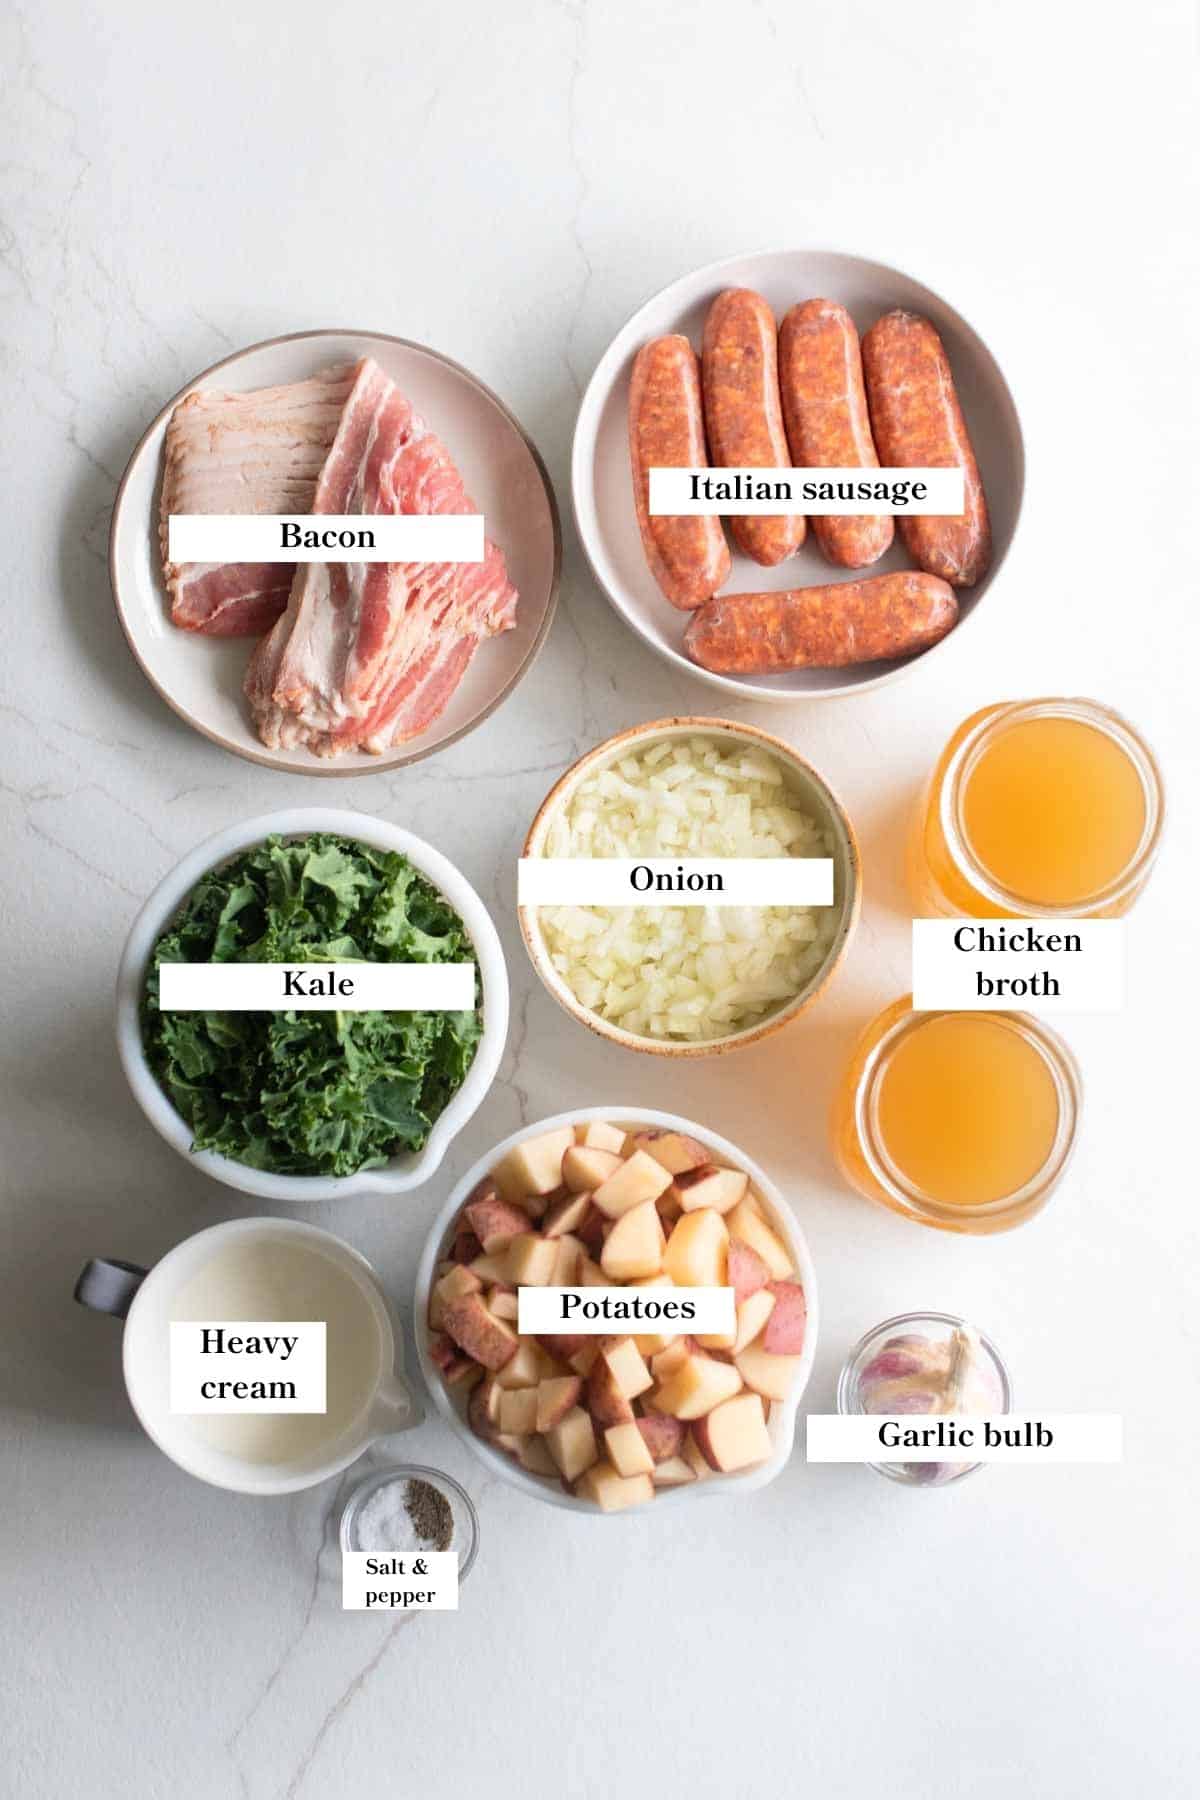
(805, 786)
(781, 1417)
(402, 1173)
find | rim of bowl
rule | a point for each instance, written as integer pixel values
(781, 1214)
(321, 767)
(819, 981)
(583, 458)
(403, 1173)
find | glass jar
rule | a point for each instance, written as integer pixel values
(1023, 797)
(890, 1359)
(968, 1128)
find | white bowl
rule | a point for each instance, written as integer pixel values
(403, 1172)
(602, 490)
(201, 677)
(781, 1418)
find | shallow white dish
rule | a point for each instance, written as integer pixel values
(403, 1172)
(201, 677)
(781, 1418)
(602, 489)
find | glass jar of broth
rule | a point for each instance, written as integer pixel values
(961, 1120)
(1037, 809)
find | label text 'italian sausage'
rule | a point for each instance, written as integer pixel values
(750, 493)
(325, 537)
(966, 1437)
(317, 987)
(671, 881)
(1039, 965)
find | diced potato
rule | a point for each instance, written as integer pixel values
(769, 1375)
(612, 1492)
(629, 1371)
(572, 1444)
(720, 1189)
(518, 1411)
(635, 1244)
(697, 1386)
(734, 1435)
(600, 1136)
(524, 1369)
(536, 1458)
(533, 1168)
(674, 1472)
(627, 1450)
(696, 1249)
(753, 1230)
(530, 1260)
(634, 1182)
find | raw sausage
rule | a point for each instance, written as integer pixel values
(828, 427)
(918, 423)
(875, 620)
(688, 557)
(743, 414)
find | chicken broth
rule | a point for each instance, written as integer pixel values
(962, 1120)
(1045, 807)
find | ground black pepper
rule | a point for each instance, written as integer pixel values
(429, 1510)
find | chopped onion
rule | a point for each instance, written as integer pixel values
(688, 973)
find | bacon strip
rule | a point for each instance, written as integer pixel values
(260, 452)
(368, 655)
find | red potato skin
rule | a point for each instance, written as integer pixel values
(495, 1222)
(743, 415)
(828, 424)
(478, 1334)
(663, 1435)
(783, 1334)
(918, 423)
(876, 620)
(746, 1270)
(688, 557)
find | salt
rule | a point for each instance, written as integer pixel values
(384, 1523)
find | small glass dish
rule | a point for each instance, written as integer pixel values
(935, 1327)
(466, 1519)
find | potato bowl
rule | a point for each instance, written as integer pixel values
(402, 1172)
(781, 1417)
(805, 786)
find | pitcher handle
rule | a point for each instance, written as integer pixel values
(108, 1285)
(394, 1408)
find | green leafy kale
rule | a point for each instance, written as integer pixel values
(311, 1093)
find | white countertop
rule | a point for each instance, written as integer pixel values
(507, 184)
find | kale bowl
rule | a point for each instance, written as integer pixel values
(311, 1105)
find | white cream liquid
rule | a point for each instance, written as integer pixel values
(271, 1279)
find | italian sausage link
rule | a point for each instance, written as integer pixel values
(743, 413)
(828, 426)
(688, 557)
(918, 423)
(875, 620)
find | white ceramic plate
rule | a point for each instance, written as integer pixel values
(602, 490)
(201, 677)
(781, 1414)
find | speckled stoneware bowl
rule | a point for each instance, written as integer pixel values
(811, 792)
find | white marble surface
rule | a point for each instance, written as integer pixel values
(507, 183)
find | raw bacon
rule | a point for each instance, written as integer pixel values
(367, 655)
(260, 452)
